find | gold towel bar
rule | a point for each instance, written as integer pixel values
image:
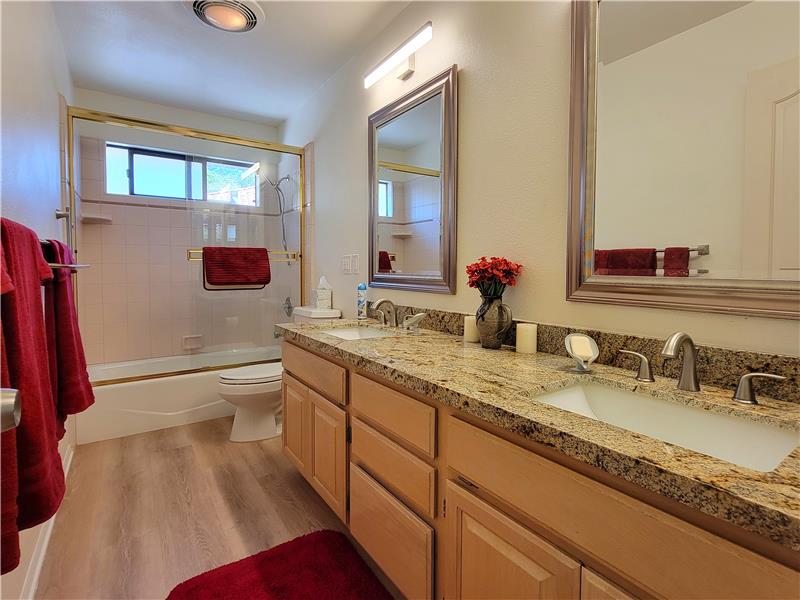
(291, 255)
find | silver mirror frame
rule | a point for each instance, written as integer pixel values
(739, 297)
(445, 84)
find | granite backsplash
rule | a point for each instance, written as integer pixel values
(715, 366)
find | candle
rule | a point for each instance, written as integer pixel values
(471, 329)
(526, 338)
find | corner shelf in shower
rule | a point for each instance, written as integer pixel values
(95, 220)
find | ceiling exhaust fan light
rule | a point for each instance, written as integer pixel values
(226, 15)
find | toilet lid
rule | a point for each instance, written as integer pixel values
(260, 373)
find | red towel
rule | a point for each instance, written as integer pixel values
(39, 473)
(9, 535)
(71, 387)
(228, 266)
(676, 262)
(625, 261)
(384, 262)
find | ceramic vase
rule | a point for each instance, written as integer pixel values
(493, 320)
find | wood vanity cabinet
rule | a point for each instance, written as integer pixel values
(314, 437)
(451, 510)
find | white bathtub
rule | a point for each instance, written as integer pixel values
(137, 406)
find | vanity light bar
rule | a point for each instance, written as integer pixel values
(396, 58)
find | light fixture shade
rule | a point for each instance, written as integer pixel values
(226, 15)
(406, 49)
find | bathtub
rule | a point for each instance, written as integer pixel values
(156, 393)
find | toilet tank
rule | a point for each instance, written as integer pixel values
(310, 314)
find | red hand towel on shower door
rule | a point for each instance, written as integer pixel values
(71, 387)
(232, 266)
(40, 475)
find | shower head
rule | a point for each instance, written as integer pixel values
(280, 181)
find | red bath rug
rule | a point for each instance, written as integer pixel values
(319, 565)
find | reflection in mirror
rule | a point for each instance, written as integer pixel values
(412, 158)
(697, 141)
(409, 207)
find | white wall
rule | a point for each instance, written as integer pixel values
(512, 186)
(671, 135)
(131, 107)
(34, 73)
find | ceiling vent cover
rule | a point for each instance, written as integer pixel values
(226, 15)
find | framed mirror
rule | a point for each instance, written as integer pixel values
(412, 182)
(684, 156)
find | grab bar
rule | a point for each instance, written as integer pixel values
(291, 255)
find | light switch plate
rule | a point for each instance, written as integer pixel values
(354, 260)
(346, 264)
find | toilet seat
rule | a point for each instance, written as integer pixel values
(252, 374)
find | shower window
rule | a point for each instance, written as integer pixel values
(156, 173)
(385, 199)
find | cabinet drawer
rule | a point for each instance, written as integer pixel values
(317, 372)
(634, 538)
(404, 474)
(411, 421)
(395, 538)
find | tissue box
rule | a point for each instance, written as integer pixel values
(324, 298)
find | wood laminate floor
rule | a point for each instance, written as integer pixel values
(145, 512)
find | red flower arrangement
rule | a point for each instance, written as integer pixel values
(493, 275)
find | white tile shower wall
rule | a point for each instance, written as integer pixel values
(143, 295)
(424, 224)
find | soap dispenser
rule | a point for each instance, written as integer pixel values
(583, 351)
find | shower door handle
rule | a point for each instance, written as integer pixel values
(66, 213)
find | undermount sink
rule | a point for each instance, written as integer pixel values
(358, 333)
(746, 443)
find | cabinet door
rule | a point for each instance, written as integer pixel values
(295, 422)
(327, 466)
(492, 556)
(595, 587)
(394, 537)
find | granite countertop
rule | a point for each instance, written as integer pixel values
(501, 386)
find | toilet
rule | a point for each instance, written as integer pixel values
(255, 391)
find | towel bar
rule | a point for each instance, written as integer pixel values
(702, 250)
(74, 267)
(291, 255)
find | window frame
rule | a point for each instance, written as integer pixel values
(188, 160)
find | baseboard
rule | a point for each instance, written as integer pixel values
(40, 549)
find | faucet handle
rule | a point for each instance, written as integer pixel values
(744, 391)
(411, 322)
(645, 372)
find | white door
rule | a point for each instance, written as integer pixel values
(771, 242)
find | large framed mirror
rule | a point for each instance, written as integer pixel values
(412, 183)
(684, 156)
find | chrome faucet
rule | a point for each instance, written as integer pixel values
(376, 306)
(688, 377)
